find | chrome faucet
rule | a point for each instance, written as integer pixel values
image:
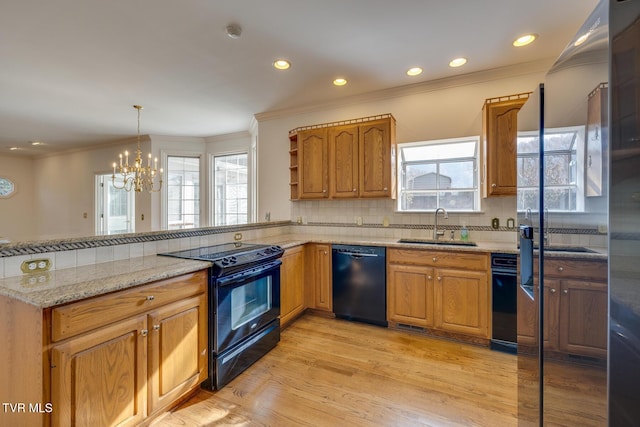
(437, 233)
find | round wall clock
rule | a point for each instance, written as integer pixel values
(7, 187)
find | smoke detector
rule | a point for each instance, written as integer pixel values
(234, 31)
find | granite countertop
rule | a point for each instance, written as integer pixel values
(291, 240)
(57, 287)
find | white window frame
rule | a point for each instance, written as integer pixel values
(165, 195)
(476, 178)
(580, 167)
(212, 175)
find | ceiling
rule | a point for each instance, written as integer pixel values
(72, 69)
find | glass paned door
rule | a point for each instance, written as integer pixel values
(115, 210)
(183, 192)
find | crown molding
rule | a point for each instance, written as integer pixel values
(493, 74)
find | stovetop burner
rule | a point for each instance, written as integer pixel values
(231, 257)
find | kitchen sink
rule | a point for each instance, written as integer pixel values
(575, 249)
(438, 242)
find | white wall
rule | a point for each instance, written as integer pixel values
(442, 109)
(65, 190)
(17, 213)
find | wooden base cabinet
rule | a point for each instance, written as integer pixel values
(100, 379)
(440, 290)
(462, 302)
(292, 301)
(410, 295)
(575, 309)
(319, 277)
(151, 351)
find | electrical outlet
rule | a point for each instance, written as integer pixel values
(385, 221)
(237, 236)
(358, 220)
(35, 265)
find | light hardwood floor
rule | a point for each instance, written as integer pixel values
(329, 372)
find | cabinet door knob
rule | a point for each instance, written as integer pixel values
(385, 188)
(150, 298)
(144, 332)
(429, 277)
(565, 291)
(156, 327)
(204, 352)
(560, 268)
(439, 278)
(434, 259)
(324, 191)
(553, 290)
(354, 190)
(493, 185)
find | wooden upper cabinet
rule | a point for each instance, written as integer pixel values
(313, 169)
(376, 166)
(346, 160)
(499, 147)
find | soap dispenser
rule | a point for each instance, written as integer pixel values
(464, 233)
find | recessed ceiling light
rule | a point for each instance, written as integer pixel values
(13, 148)
(282, 64)
(524, 40)
(415, 71)
(458, 62)
(34, 143)
(581, 39)
(340, 81)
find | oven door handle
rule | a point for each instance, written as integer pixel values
(246, 275)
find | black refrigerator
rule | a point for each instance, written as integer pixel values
(562, 202)
(624, 215)
(598, 192)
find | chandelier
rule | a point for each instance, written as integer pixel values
(136, 176)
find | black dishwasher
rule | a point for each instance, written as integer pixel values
(359, 283)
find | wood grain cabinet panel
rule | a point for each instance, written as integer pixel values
(318, 277)
(410, 298)
(313, 170)
(575, 308)
(292, 300)
(128, 369)
(441, 290)
(177, 351)
(344, 160)
(376, 164)
(100, 379)
(499, 132)
(352, 159)
(462, 301)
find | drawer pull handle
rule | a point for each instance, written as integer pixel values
(144, 332)
(560, 268)
(156, 327)
(150, 298)
(434, 259)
